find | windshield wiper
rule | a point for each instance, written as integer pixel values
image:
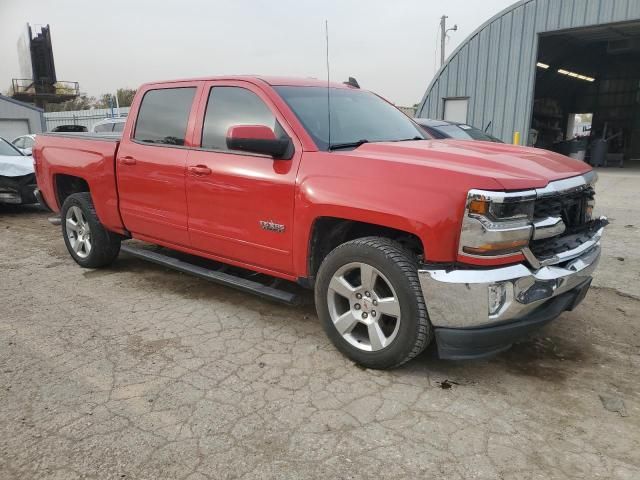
(338, 146)
(409, 139)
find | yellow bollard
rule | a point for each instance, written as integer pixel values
(516, 138)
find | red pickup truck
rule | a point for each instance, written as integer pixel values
(404, 239)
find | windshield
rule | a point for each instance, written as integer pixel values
(465, 132)
(8, 150)
(356, 116)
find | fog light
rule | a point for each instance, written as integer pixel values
(497, 297)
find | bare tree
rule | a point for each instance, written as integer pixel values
(125, 96)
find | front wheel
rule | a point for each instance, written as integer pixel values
(89, 243)
(369, 300)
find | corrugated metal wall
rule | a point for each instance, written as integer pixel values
(495, 66)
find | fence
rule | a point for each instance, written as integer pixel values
(88, 118)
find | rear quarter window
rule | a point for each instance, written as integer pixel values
(163, 116)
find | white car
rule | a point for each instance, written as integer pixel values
(110, 125)
(17, 176)
(24, 143)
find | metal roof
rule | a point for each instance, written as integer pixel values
(495, 66)
(22, 104)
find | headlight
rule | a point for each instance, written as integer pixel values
(496, 223)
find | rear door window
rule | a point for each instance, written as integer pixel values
(163, 116)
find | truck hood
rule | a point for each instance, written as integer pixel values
(17, 166)
(513, 167)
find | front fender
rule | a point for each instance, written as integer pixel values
(432, 215)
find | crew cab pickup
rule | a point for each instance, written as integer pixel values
(405, 239)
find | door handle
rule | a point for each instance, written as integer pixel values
(128, 160)
(199, 170)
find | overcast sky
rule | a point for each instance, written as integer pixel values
(387, 45)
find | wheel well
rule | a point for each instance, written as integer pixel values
(67, 185)
(329, 232)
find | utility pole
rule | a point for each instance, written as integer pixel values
(443, 35)
(117, 103)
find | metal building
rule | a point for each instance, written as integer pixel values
(537, 63)
(18, 118)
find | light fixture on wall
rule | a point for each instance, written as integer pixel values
(542, 65)
(575, 75)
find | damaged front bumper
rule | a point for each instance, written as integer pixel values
(18, 190)
(478, 312)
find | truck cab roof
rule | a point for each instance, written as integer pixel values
(270, 80)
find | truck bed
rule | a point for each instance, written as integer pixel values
(88, 157)
(108, 137)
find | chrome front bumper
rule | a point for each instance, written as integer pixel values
(460, 299)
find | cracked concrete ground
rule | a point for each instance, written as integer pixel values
(138, 372)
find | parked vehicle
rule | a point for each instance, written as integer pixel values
(17, 177)
(70, 129)
(461, 131)
(110, 125)
(24, 143)
(404, 239)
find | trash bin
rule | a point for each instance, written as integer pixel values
(599, 150)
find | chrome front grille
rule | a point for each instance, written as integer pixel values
(568, 204)
(550, 247)
(571, 207)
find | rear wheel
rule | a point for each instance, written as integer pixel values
(89, 243)
(370, 302)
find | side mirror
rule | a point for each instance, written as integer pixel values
(257, 139)
(27, 151)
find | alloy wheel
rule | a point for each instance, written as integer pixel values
(78, 232)
(363, 306)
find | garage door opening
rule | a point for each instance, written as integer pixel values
(12, 128)
(587, 94)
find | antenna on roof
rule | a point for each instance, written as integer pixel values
(326, 34)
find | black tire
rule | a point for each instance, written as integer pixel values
(400, 268)
(105, 245)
